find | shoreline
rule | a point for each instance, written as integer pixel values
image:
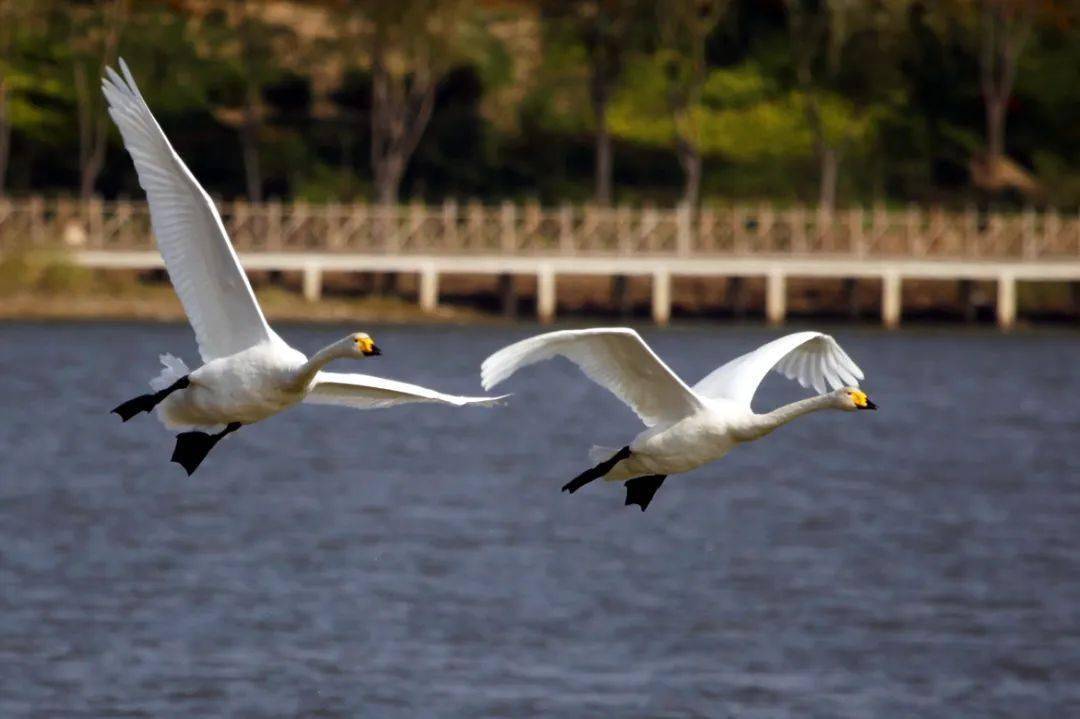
(159, 304)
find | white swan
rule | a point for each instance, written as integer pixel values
(686, 427)
(249, 372)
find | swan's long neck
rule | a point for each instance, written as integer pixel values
(307, 371)
(763, 424)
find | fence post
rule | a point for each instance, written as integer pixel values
(566, 229)
(625, 232)
(798, 229)
(5, 218)
(274, 240)
(912, 231)
(740, 238)
(508, 227)
(1051, 232)
(648, 222)
(1028, 239)
(683, 237)
(95, 221)
(450, 224)
(855, 227)
(529, 237)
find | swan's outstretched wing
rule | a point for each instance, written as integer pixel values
(200, 260)
(615, 358)
(366, 392)
(812, 359)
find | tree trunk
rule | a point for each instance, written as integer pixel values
(91, 134)
(249, 141)
(400, 111)
(252, 172)
(830, 166)
(5, 135)
(388, 175)
(690, 159)
(92, 120)
(602, 159)
(1003, 36)
(995, 130)
(88, 178)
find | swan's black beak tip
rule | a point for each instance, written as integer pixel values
(869, 405)
(373, 351)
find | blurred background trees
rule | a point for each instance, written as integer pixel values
(831, 102)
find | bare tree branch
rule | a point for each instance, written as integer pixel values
(92, 121)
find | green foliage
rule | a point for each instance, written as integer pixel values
(743, 115)
(894, 86)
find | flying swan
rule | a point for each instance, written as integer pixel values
(685, 427)
(249, 373)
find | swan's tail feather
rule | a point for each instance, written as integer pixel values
(599, 454)
(172, 370)
(596, 472)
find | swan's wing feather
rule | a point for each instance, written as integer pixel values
(200, 260)
(812, 359)
(366, 392)
(615, 358)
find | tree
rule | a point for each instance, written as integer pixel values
(9, 19)
(251, 48)
(685, 26)
(606, 31)
(94, 35)
(413, 44)
(820, 33)
(1004, 29)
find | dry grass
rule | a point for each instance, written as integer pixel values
(36, 285)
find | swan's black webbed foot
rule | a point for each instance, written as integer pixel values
(596, 472)
(147, 402)
(192, 447)
(640, 490)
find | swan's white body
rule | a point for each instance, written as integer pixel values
(689, 427)
(249, 373)
(246, 387)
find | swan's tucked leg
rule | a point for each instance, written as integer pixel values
(640, 490)
(147, 402)
(596, 472)
(192, 447)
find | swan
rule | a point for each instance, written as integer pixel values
(686, 427)
(248, 373)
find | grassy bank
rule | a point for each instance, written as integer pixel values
(42, 285)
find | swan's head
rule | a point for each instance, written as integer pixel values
(360, 344)
(852, 398)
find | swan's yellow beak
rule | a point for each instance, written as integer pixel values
(862, 401)
(367, 347)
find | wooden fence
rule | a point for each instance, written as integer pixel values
(529, 229)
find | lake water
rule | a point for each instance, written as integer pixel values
(923, 560)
